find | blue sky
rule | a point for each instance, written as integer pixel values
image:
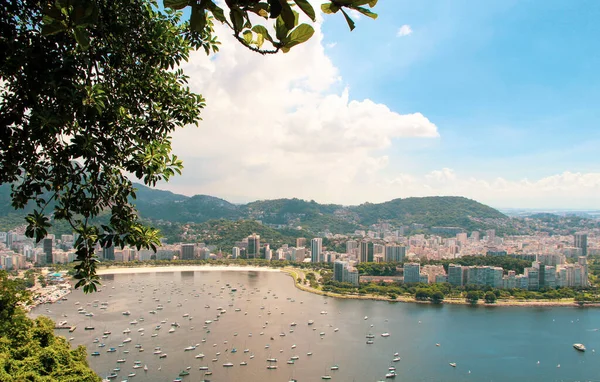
(496, 101)
(510, 85)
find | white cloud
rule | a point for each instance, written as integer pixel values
(331, 45)
(284, 126)
(404, 30)
(564, 190)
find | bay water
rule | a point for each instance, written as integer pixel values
(485, 343)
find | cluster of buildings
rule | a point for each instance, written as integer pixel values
(548, 271)
(547, 253)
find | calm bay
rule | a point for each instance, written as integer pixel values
(486, 343)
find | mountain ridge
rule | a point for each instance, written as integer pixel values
(431, 211)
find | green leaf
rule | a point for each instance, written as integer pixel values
(366, 12)
(348, 20)
(329, 8)
(261, 30)
(247, 37)
(82, 37)
(306, 8)
(197, 19)
(299, 35)
(288, 15)
(176, 4)
(52, 26)
(260, 39)
(217, 12)
(237, 18)
(274, 9)
(281, 30)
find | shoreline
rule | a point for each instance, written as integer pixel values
(295, 272)
(182, 268)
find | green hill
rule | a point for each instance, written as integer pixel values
(445, 211)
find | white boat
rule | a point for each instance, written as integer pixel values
(397, 359)
(127, 313)
(126, 340)
(171, 330)
(190, 348)
(366, 317)
(579, 347)
(386, 334)
(453, 364)
(228, 364)
(391, 375)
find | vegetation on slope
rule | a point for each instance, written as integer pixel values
(29, 350)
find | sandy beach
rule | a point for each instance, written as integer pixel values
(184, 268)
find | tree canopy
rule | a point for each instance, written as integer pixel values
(29, 351)
(90, 92)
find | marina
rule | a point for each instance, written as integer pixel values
(406, 336)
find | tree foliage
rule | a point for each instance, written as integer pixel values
(29, 351)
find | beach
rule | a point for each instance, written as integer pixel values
(184, 268)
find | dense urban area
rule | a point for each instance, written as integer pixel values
(429, 263)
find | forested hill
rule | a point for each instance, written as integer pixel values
(444, 211)
(429, 211)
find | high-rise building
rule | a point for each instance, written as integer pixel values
(268, 252)
(235, 252)
(301, 242)
(343, 272)
(412, 273)
(491, 235)
(581, 242)
(366, 252)
(253, 246)
(108, 253)
(475, 236)
(455, 274)
(461, 238)
(47, 245)
(351, 245)
(533, 278)
(582, 261)
(395, 253)
(338, 270)
(316, 250)
(187, 251)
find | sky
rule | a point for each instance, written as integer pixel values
(497, 101)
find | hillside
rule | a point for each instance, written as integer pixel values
(165, 205)
(446, 211)
(314, 217)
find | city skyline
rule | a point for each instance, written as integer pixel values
(442, 111)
